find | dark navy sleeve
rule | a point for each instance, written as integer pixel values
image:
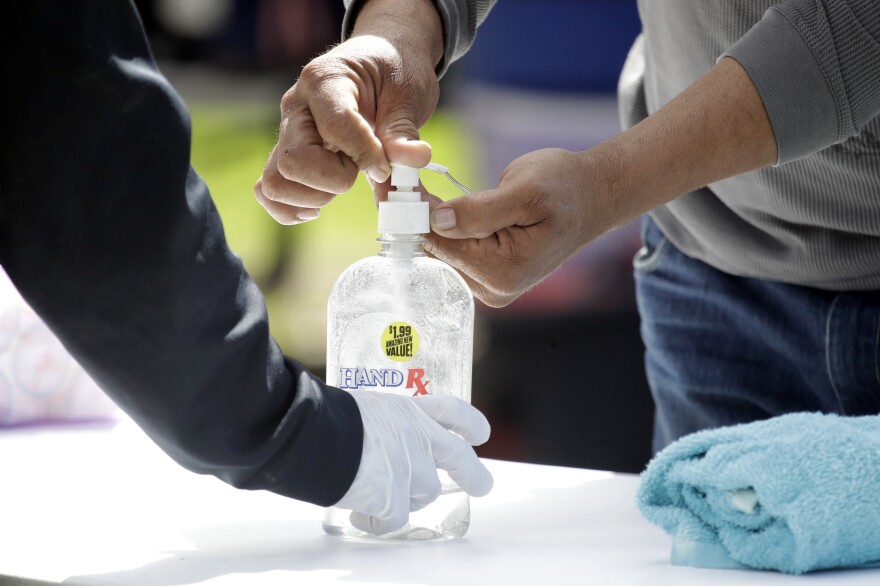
(113, 239)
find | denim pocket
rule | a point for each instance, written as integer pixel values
(654, 246)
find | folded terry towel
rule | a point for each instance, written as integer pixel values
(795, 493)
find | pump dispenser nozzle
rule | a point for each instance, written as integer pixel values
(404, 212)
(444, 170)
(403, 177)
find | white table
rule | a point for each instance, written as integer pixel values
(105, 506)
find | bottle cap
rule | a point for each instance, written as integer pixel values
(404, 212)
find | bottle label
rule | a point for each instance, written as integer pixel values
(400, 341)
(384, 379)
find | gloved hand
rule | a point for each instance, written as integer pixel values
(405, 441)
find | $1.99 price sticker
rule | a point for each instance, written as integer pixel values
(400, 341)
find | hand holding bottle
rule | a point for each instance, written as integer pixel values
(356, 107)
(548, 204)
(406, 439)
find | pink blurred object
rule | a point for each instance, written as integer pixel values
(40, 383)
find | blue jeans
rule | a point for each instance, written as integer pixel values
(722, 349)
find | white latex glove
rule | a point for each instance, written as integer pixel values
(406, 439)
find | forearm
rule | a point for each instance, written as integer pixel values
(460, 19)
(715, 129)
(805, 77)
(409, 25)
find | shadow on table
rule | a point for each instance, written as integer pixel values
(510, 538)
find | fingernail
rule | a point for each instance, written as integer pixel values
(377, 173)
(443, 219)
(306, 215)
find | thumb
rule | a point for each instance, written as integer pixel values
(399, 134)
(475, 216)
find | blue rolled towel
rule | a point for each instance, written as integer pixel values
(794, 493)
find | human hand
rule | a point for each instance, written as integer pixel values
(548, 204)
(356, 107)
(406, 439)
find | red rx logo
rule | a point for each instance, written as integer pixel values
(414, 379)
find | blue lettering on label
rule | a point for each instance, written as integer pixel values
(355, 378)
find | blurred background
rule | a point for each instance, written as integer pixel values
(559, 373)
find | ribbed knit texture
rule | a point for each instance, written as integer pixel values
(815, 218)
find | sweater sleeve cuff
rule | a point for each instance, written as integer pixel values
(789, 79)
(455, 27)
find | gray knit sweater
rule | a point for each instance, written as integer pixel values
(812, 219)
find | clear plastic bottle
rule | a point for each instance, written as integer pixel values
(402, 323)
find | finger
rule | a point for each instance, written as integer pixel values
(484, 263)
(283, 213)
(303, 155)
(461, 462)
(425, 484)
(387, 502)
(277, 188)
(406, 150)
(478, 215)
(480, 291)
(341, 124)
(397, 128)
(380, 189)
(317, 167)
(389, 514)
(457, 416)
(377, 525)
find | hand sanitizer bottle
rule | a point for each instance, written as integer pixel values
(401, 322)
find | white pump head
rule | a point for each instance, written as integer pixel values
(404, 212)
(406, 178)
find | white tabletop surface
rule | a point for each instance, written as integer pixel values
(105, 506)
